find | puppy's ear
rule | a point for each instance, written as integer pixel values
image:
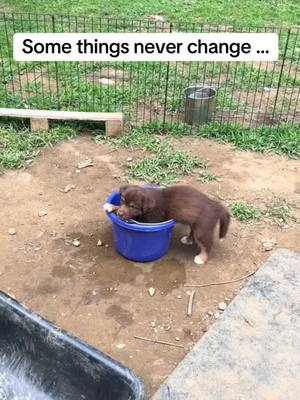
(123, 188)
(148, 203)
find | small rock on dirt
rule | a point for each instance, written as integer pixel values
(86, 163)
(222, 306)
(152, 324)
(129, 159)
(120, 346)
(268, 244)
(210, 313)
(12, 231)
(107, 245)
(42, 213)
(151, 291)
(76, 242)
(99, 243)
(177, 339)
(67, 188)
(216, 314)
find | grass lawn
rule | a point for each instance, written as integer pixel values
(241, 12)
(145, 83)
(75, 86)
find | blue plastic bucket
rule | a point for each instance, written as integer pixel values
(139, 242)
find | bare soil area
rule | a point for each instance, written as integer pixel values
(97, 295)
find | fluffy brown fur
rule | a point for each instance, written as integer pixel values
(185, 205)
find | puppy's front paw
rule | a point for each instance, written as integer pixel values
(109, 207)
(199, 260)
(186, 240)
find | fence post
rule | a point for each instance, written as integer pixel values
(167, 85)
(281, 71)
(56, 67)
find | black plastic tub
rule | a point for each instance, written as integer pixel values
(39, 361)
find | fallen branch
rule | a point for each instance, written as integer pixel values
(190, 303)
(221, 283)
(159, 342)
(111, 151)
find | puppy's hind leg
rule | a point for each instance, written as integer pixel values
(204, 240)
(189, 239)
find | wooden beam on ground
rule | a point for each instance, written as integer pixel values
(39, 118)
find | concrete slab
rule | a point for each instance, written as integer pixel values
(253, 350)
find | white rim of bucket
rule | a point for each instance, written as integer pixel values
(133, 221)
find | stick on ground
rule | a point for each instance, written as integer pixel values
(159, 342)
(190, 303)
(221, 283)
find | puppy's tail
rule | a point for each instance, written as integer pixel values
(224, 222)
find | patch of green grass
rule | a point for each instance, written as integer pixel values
(139, 138)
(245, 76)
(167, 163)
(165, 166)
(144, 82)
(242, 12)
(226, 100)
(149, 136)
(281, 212)
(244, 212)
(17, 148)
(207, 176)
(281, 139)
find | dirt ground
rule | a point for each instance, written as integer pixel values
(96, 294)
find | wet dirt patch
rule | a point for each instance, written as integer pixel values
(166, 275)
(121, 315)
(60, 271)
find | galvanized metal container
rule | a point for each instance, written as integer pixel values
(199, 104)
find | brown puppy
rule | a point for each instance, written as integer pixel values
(184, 204)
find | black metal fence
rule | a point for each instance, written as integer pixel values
(249, 93)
